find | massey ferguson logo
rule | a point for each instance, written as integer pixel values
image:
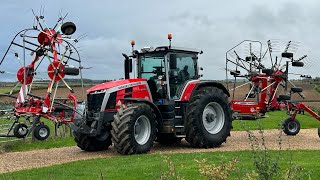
(129, 85)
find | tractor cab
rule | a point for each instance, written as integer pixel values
(167, 69)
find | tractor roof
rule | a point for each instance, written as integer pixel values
(148, 50)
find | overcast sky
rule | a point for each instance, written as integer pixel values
(212, 26)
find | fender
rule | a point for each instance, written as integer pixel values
(210, 84)
(151, 104)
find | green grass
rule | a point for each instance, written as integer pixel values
(28, 144)
(273, 120)
(150, 166)
(5, 90)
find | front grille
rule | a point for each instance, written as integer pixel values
(112, 101)
(95, 101)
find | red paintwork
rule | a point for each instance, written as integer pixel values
(34, 106)
(298, 106)
(261, 81)
(111, 84)
(46, 37)
(188, 90)
(56, 65)
(29, 77)
(138, 92)
(246, 107)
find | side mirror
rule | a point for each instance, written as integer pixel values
(68, 28)
(297, 64)
(287, 55)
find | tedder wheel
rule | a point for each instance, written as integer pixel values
(134, 129)
(168, 139)
(20, 130)
(90, 144)
(208, 122)
(41, 132)
(291, 127)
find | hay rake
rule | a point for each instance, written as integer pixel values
(33, 53)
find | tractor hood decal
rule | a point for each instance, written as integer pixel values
(119, 84)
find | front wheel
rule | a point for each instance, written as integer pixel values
(208, 122)
(291, 127)
(86, 143)
(134, 129)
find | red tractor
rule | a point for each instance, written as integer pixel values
(165, 102)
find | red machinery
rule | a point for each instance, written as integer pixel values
(55, 45)
(265, 83)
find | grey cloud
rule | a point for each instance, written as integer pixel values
(207, 25)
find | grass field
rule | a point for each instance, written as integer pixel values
(149, 166)
(5, 90)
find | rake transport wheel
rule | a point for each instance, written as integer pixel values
(134, 129)
(291, 127)
(90, 144)
(208, 122)
(41, 132)
(20, 131)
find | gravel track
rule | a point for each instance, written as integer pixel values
(307, 139)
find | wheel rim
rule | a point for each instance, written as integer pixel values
(142, 130)
(23, 131)
(43, 132)
(213, 118)
(292, 126)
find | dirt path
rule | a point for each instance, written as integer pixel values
(9, 162)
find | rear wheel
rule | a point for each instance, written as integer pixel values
(87, 143)
(291, 127)
(208, 122)
(134, 129)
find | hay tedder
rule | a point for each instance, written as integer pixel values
(35, 52)
(267, 76)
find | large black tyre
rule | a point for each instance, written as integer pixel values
(291, 127)
(41, 132)
(208, 107)
(20, 131)
(168, 139)
(134, 129)
(86, 143)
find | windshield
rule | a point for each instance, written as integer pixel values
(151, 66)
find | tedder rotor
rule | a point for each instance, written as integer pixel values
(41, 57)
